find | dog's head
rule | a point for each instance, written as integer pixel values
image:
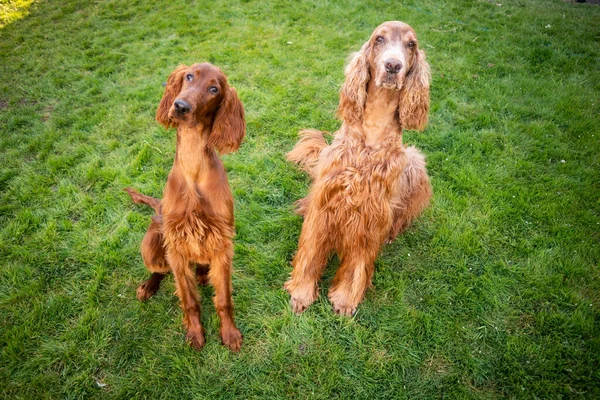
(200, 95)
(391, 60)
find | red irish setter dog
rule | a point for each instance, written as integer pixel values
(367, 186)
(191, 235)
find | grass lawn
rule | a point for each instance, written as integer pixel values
(493, 293)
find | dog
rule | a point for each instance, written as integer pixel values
(192, 232)
(367, 186)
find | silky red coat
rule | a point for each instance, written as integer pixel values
(191, 235)
(367, 186)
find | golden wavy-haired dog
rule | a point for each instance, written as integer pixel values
(367, 186)
(192, 233)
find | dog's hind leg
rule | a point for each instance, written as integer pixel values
(149, 286)
(414, 192)
(153, 253)
(202, 274)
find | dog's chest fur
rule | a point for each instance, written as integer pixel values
(359, 177)
(194, 226)
(197, 204)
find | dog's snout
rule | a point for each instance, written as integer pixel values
(392, 65)
(182, 107)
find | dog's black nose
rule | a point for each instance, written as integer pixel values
(182, 107)
(392, 65)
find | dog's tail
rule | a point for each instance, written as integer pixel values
(307, 150)
(143, 199)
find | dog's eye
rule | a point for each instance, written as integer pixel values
(411, 45)
(379, 39)
(213, 89)
(189, 77)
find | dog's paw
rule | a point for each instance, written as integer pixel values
(232, 338)
(149, 287)
(195, 339)
(391, 238)
(202, 279)
(345, 310)
(143, 292)
(301, 297)
(343, 303)
(298, 306)
(301, 303)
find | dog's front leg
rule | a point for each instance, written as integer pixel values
(185, 281)
(220, 278)
(314, 247)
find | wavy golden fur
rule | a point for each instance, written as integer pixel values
(192, 233)
(367, 186)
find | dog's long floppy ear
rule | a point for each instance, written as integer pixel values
(414, 96)
(353, 94)
(172, 89)
(229, 127)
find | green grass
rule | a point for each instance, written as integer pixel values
(12, 10)
(493, 293)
